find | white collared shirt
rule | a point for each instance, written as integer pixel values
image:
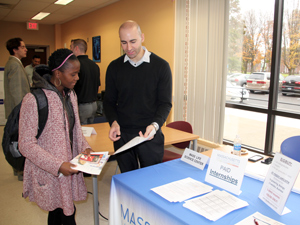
(17, 59)
(145, 58)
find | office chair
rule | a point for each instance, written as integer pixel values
(183, 126)
(291, 147)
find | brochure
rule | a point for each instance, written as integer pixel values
(92, 164)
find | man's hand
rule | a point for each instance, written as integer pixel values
(66, 169)
(147, 132)
(114, 132)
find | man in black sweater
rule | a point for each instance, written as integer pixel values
(138, 99)
(88, 84)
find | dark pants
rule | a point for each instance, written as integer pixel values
(57, 217)
(146, 154)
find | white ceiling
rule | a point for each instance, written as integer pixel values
(24, 10)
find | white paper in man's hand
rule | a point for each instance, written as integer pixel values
(135, 141)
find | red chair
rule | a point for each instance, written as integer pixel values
(183, 126)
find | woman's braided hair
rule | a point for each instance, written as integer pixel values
(57, 57)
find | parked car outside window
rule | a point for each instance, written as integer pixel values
(291, 85)
(260, 81)
(239, 79)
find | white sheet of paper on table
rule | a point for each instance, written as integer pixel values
(88, 131)
(220, 204)
(181, 190)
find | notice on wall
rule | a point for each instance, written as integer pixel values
(226, 171)
(194, 158)
(279, 182)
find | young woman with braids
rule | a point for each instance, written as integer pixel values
(49, 178)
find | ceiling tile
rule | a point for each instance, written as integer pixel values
(12, 2)
(4, 12)
(24, 10)
(31, 6)
(71, 10)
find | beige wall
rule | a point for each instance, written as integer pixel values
(44, 37)
(156, 18)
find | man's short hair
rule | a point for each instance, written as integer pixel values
(12, 44)
(36, 57)
(82, 45)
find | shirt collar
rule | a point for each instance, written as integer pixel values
(145, 58)
(16, 58)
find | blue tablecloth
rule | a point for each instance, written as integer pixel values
(143, 206)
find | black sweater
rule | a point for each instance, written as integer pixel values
(88, 84)
(137, 96)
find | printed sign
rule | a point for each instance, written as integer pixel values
(279, 182)
(194, 158)
(226, 171)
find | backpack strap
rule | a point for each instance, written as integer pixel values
(42, 104)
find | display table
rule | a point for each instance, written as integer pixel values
(132, 201)
(101, 143)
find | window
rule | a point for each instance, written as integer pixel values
(263, 44)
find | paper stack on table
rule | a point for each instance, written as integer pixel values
(181, 190)
(215, 204)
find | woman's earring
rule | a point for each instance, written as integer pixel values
(56, 83)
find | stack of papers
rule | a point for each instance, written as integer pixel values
(215, 205)
(93, 168)
(181, 190)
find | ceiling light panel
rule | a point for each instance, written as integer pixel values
(40, 16)
(63, 2)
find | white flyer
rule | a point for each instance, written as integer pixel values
(215, 204)
(88, 131)
(135, 141)
(279, 182)
(194, 158)
(226, 171)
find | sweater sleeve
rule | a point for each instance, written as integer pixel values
(164, 95)
(111, 94)
(28, 125)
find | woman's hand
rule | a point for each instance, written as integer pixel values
(66, 169)
(88, 151)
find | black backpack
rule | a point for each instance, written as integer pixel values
(11, 130)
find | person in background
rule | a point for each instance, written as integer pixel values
(36, 60)
(88, 85)
(16, 84)
(137, 99)
(50, 180)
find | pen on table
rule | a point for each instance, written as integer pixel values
(256, 223)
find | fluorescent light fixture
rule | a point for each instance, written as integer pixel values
(63, 2)
(40, 16)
